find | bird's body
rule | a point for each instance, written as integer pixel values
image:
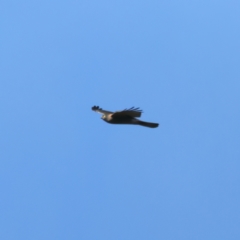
(127, 116)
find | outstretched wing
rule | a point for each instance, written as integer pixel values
(133, 112)
(100, 110)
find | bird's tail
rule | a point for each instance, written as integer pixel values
(147, 124)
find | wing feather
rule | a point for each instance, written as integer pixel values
(133, 112)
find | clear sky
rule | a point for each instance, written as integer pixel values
(66, 174)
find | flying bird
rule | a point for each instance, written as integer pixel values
(126, 116)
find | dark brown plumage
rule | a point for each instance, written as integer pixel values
(127, 116)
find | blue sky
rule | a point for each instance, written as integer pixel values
(66, 174)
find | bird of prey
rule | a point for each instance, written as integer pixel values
(126, 116)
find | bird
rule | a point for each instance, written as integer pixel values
(126, 116)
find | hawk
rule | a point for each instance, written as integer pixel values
(126, 116)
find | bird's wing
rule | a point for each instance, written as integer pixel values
(100, 110)
(133, 112)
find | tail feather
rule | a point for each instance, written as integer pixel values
(147, 124)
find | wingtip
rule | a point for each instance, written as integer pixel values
(95, 108)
